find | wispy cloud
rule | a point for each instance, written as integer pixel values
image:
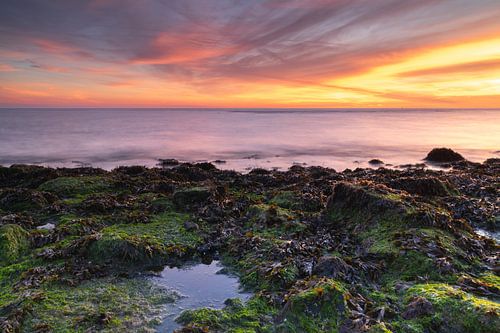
(205, 48)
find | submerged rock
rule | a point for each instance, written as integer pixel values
(443, 155)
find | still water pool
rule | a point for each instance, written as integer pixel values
(200, 286)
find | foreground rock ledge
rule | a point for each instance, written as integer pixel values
(358, 251)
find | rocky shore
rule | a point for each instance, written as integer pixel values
(365, 250)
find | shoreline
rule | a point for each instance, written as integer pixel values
(363, 250)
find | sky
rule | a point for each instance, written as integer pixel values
(250, 53)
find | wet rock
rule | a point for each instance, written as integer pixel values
(332, 267)
(190, 226)
(375, 161)
(418, 307)
(348, 197)
(133, 170)
(207, 166)
(426, 186)
(443, 155)
(168, 162)
(23, 199)
(13, 242)
(48, 226)
(100, 203)
(191, 196)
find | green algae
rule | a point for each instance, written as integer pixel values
(9, 276)
(162, 236)
(286, 199)
(75, 187)
(321, 308)
(14, 243)
(106, 305)
(455, 311)
(253, 316)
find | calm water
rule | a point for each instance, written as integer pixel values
(244, 138)
(200, 286)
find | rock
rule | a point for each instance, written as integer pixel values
(426, 186)
(375, 161)
(168, 162)
(191, 196)
(219, 162)
(418, 307)
(23, 199)
(207, 166)
(189, 226)
(48, 226)
(132, 170)
(443, 155)
(332, 267)
(348, 197)
(13, 242)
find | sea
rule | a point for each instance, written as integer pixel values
(243, 139)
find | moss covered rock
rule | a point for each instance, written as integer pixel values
(320, 307)
(14, 242)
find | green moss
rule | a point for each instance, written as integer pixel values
(254, 316)
(9, 276)
(379, 328)
(286, 199)
(75, 187)
(164, 235)
(243, 194)
(455, 311)
(268, 214)
(104, 305)
(411, 266)
(13, 243)
(318, 309)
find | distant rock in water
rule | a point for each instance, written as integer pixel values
(375, 161)
(168, 162)
(443, 155)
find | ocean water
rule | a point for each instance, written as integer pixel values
(272, 138)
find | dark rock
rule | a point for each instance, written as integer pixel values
(443, 155)
(352, 198)
(375, 162)
(207, 166)
(133, 170)
(189, 226)
(168, 162)
(219, 162)
(191, 196)
(418, 307)
(259, 171)
(23, 199)
(332, 267)
(426, 186)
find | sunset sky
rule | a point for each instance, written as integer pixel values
(218, 53)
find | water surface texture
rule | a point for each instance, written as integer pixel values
(200, 286)
(243, 138)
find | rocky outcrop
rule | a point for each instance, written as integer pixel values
(443, 155)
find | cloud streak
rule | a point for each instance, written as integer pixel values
(233, 50)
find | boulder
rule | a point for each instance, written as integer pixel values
(443, 155)
(375, 161)
(191, 196)
(332, 267)
(426, 186)
(418, 307)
